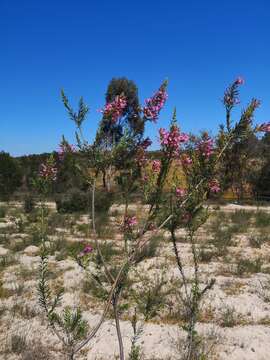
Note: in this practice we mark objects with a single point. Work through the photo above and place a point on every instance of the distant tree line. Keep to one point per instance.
(246, 164)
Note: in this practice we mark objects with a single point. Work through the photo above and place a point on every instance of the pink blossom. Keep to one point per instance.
(115, 109)
(130, 222)
(48, 171)
(265, 127)
(146, 143)
(65, 148)
(87, 250)
(186, 160)
(141, 157)
(239, 81)
(171, 140)
(145, 178)
(156, 165)
(230, 96)
(205, 146)
(154, 104)
(180, 192)
(214, 186)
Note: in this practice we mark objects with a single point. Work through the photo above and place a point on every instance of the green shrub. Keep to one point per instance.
(18, 343)
(150, 249)
(103, 201)
(246, 266)
(222, 239)
(241, 220)
(74, 200)
(2, 212)
(228, 317)
(262, 219)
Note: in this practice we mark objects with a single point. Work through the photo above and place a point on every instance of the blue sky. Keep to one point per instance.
(200, 46)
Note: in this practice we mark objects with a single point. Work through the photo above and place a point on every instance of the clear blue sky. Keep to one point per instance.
(80, 45)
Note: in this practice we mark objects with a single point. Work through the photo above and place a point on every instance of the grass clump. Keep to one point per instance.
(228, 317)
(247, 266)
(262, 219)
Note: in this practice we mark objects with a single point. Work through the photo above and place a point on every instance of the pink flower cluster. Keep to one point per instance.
(146, 143)
(141, 157)
(214, 186)
(48, 171)
(180, 192)
(154, 104)
(114, 109)
(130, 222)
(205, 146)
(265, 127)
(156, 165)
(65, 148)
(87, 250)
(230, 99)
(186, 160)
(171, 140)
(239, 81)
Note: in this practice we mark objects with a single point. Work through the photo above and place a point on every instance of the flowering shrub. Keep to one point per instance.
(180, 206)
(114, 109)
(154, 104)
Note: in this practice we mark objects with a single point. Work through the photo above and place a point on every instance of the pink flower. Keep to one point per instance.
(265, 127)
(145, 178)
(214, 186)
(205, 146)
(141, 157)
(171, 140)
(239, 81)
(48, 170)
(156, 165)
(146, 143)
(231, 94)
(180, 192)
(65, 148)
(115, 109)
(186, 160)
(154, 104)
(130, 222)
(87, 250)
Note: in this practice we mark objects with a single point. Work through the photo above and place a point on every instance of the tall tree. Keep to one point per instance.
(131, 121)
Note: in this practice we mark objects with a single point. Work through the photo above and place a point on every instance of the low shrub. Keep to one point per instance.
(74, 200)
(247, 266)
(262, 219)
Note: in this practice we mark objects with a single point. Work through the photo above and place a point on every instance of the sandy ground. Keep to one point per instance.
(247, 339)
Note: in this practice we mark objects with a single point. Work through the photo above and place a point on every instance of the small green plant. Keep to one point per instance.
(34, 351)
(67, 325)
(257, 240)
(247, 266)
(262, 219)
(241, 219)
(228, 317)
(151, 298)
(223, 237)
(18, 343)
(135, 351)
(205, 254)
